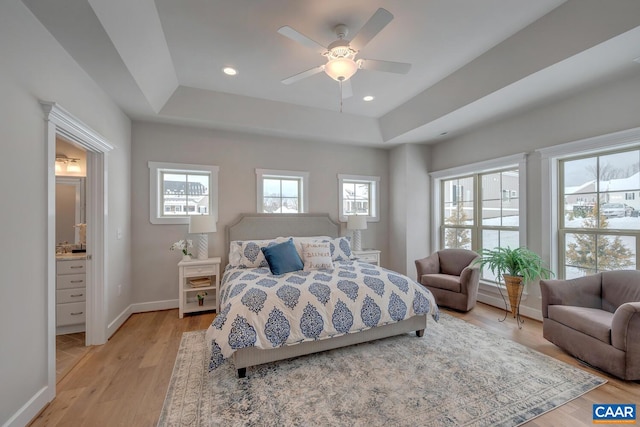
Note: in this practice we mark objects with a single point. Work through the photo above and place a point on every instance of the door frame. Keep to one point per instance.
(58, 121)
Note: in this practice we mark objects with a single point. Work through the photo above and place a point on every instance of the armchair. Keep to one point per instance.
(596, 319)
(451, 277)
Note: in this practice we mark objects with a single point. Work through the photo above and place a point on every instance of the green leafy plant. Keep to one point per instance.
(201, 295)
(520, 262)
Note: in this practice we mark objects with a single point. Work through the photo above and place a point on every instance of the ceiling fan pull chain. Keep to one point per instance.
(340, 82)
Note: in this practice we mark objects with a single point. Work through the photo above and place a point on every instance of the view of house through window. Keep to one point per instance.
(481, 211)
(356, 199)
(281, 195)
(185, 193)
(600, 219)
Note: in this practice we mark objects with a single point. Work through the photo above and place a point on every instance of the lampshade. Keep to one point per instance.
(341, 69)
(202, 224)
(357, 222)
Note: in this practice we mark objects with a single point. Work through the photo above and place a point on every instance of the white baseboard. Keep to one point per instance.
(118, 321)
(139, 308)
(154, 306)
(496, 301)
(29, 410)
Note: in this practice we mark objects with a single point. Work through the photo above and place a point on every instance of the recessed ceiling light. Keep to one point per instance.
(229, 71)
(368, 98)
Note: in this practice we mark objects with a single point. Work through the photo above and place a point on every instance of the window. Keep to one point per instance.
(179, 190)
(282, 191)
(599, 226)
(479, 207)
(358, 195)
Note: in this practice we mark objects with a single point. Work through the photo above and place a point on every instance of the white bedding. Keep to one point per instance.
(265, 311)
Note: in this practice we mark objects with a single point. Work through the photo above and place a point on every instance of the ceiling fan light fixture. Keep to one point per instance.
(341, 69)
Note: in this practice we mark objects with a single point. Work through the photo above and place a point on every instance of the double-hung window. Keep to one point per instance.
(479, 206)
(599, 221)
(358, 195)
(180, 190)
(282, 191)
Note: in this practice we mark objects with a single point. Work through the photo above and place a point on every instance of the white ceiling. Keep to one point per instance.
(472, 61)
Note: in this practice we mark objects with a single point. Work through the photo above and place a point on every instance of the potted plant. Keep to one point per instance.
(517, 267)
(201, 298)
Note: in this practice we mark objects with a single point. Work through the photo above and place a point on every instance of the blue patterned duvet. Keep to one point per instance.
(258, 309)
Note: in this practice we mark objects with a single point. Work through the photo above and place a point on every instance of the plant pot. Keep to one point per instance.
(186, 257)
(514, 291)
(200, 301)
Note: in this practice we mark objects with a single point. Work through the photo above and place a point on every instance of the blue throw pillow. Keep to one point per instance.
(283, 258)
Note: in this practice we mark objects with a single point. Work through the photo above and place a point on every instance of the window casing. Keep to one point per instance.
(282, 191)
(358, 195)
(480, 206)
(178, 190)
(598, 212)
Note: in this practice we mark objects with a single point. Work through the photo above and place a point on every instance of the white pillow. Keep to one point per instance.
(340, 249)
(316, 256)
(298, 241)
(248, 253)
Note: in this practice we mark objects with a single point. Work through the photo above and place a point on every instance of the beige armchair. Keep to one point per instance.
(596, 319)
(451, 277)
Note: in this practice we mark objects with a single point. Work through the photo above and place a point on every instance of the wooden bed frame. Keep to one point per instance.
(268, 226)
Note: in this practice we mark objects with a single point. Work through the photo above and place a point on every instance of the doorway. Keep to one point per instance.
(59, 123)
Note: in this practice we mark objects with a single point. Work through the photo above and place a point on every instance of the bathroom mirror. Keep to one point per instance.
(70, 209)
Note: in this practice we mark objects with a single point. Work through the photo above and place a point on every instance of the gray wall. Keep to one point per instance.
(35, 67)
(410, 215)
(610, 107)
(238, 155)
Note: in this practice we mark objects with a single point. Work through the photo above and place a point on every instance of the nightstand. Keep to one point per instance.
(196, 276)
(372, 256)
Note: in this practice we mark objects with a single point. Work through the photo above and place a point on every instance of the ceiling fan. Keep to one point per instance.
(341, 63)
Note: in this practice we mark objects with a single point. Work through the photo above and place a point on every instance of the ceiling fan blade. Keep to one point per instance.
(301, 38)
(347, 90)
(303, 75)
(386, 66)
(374, 25)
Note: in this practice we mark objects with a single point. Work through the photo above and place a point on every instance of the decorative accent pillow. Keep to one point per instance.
(283, 258)
(298, 241)
(248, 254)
(316, 256)
(340, 249)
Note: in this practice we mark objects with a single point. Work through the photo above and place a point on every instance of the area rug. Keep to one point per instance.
(456, 375)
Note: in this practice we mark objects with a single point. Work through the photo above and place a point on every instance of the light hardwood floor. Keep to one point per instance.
(123, 383)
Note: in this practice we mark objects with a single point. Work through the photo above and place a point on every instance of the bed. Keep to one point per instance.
(333, 301)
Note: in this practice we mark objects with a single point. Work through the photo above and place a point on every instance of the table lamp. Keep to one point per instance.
(202, 225)
(357, 223)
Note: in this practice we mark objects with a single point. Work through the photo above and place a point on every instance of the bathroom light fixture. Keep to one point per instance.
(202, 225)
(71, 164)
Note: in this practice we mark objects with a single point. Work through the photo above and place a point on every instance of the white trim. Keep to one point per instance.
(550, 158)
(374, 181)
(144, 307)
(517, 160)
(29, 410)
(303, 176)
(154, 201)
(58, 121)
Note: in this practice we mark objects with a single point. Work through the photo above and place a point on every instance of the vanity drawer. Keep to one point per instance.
(199, 270)
(71, 295)
(71, 281)
(70, 314)
(71, 266)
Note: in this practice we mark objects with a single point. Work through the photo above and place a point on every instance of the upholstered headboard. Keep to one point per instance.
(255, 226)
